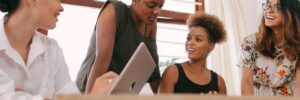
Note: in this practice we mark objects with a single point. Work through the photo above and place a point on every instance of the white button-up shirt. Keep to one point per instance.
(43, 76)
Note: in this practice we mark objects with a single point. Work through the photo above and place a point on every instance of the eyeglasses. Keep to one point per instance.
(275, 7)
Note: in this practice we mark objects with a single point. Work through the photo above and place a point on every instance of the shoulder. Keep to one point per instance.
(220, 79)
(50, 45)
(119, 6)
(249, 43)
(114, 12)
(53, 53)
(47, 40)
(114, 6)
(170, 74)
(171, 69)
(118, 3)
(250, 39)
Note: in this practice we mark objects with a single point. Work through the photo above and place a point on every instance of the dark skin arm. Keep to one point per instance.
(221, 85)
(168, 80)
(247, 81)
(105, 38)
(154, 86)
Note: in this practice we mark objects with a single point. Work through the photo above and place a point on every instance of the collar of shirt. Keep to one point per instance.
(36, 47)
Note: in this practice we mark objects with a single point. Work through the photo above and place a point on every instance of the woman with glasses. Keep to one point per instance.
(270, 58)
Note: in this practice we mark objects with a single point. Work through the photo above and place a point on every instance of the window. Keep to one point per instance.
(170, 37)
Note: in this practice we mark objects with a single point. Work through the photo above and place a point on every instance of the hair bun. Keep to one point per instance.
(3, 5)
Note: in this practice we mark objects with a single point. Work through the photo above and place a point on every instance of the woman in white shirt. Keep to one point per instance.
(32, 65)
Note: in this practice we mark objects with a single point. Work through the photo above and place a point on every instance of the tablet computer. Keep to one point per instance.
(136, 72)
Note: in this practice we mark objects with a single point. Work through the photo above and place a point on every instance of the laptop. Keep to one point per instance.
(136, 72)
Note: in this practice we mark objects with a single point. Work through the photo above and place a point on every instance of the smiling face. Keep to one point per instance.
(46, 12)
(147, 11)
(197, 44)
(272, 14)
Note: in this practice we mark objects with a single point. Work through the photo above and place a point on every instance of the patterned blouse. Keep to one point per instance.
(272, 77)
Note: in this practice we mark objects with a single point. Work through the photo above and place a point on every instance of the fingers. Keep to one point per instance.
(103, 83)
(110, 75)
(110, 80)
(215, 92)
(210, 93)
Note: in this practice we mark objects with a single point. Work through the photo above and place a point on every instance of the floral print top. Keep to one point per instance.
(272, 77)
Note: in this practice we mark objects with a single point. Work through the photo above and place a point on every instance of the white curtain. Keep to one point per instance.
(241, 17)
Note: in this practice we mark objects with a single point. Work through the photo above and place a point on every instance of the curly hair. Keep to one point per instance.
(212, 24)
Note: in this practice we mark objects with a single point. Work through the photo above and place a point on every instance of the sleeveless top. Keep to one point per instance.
(126, 42)
(185, 85)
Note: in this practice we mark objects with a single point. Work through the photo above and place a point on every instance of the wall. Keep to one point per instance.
(252, 13)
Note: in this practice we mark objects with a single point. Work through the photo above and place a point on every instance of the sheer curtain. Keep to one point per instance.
(241, 17)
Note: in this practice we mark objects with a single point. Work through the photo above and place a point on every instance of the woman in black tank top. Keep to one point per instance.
(193, 76)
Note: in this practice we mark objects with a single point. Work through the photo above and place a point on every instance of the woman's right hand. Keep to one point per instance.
(103, 83)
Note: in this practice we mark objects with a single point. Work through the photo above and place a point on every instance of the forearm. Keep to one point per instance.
(166, 88)
(297, 91)
(247, 81)
(247, 88)
(154, 86)
(297, 84)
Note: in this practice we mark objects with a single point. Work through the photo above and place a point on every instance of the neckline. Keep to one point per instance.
(211, 78)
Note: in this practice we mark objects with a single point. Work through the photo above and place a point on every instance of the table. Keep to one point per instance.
(169, 97)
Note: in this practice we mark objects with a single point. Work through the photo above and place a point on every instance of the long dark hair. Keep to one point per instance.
(9, 6)
(290, 29)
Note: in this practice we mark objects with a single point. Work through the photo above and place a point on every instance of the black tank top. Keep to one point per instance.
(184, 85)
